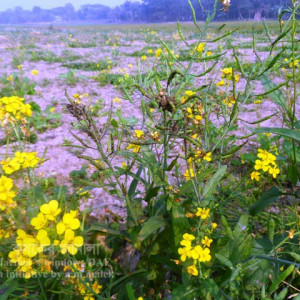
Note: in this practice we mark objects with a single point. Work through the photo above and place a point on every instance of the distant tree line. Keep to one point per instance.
(147, 11)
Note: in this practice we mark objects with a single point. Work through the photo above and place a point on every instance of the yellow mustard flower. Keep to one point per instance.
(158, 52)
(202, 213)
(291, 233)
(220, 83)
(192, 270)
(274, 171)
(117, 100)
(255, 175)
(42, 237)
(139, 134)
(206, 241)
(189, 173)
(39, 221)
(229, 101)
(207, 156)
(135, 148)
(70, 243)
(34, 72)
(6, 193)
(69, 221)
(50, 210)
(200, 47)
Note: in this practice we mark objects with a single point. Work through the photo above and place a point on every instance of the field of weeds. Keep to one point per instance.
(156, 161)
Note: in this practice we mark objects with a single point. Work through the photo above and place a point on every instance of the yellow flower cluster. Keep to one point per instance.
(195, 253)
(229, 101)
(227, 77)
(30, 246)
(199, 48)
(4, 234)
(158, 52)
(203, 213)
(82, 289)
(140, 135)
(34, 72)
(195, 112)
(189, 173)
(20, 160)
(13, 109)
(187, 95)
(6, 193)
(96, 287)
(199, 252)
(201, 155)
(265, 163)
(78, 97)
(292, 64)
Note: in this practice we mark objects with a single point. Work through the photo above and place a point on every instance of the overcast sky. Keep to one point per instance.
(29, 4)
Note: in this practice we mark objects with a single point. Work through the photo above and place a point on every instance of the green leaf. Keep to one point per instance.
(106, 229)
(224, 260)
(226, 227)
(271, 229)
(134, 182)
(152, 192)
(282, 294)
(281, 36)
(183, 292)
(7, 288)
(276, 87)
(150, 226)
(295, 255)
(276, 94)
(241, 226)
(272, 63)
(293, 174)
(130, 292)
(114, 123)
(266, 199)
(180, 223)
(293, 134)
(281, 278)
(172, 164)
(210, 186)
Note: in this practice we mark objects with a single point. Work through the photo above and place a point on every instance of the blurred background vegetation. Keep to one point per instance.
(146, 11)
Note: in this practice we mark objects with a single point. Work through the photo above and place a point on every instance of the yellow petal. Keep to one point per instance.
(72, 249)
(75, 224)
(60, 228)
(78, 241)
(45, 209)
(69, 234)
(53, 204)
